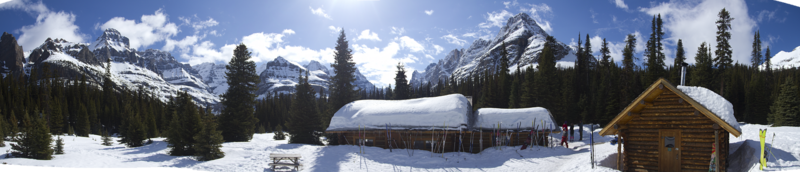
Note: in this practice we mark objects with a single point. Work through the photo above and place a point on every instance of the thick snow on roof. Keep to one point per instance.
(713, 102)
(450, 110)
(510, 118)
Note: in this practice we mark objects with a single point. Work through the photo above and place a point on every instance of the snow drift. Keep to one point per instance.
(450, 111)
(713, 102)
(488, 118)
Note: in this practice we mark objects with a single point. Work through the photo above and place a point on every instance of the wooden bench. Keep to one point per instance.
(276, 160)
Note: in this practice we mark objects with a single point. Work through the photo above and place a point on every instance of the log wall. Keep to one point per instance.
(402, 139)
(668, 111)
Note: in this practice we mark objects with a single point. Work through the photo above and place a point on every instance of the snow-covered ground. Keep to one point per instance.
(86, 154)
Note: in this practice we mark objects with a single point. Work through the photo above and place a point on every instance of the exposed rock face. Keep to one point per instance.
(11, 54)
(524, 41)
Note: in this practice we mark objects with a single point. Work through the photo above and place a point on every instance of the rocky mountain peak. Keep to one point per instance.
(111, 38)
(314, 65)
(11, 54)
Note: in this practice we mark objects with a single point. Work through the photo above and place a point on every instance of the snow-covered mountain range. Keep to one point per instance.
(524, 41)
(784, 60)
(155, 71)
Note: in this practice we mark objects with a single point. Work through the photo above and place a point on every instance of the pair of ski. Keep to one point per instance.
(762, 134)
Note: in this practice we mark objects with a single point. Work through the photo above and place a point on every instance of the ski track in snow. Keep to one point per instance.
(86, 154)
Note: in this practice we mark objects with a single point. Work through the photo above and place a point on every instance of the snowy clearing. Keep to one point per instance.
(86, 154)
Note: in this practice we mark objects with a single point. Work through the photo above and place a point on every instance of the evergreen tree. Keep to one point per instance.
(82, 125)
(724, 53)
(786, 108)
(34, 141)
(304, 121)
(237, 119)
(767, 61)
(545, 89)
(680, 58)
(514, 99)
(261, 129)
(279, 133)
(503, 80)
(59, 146)
(702, 74)
(755, 56)
(655, 58)
(342, 90)
(106, 139)
(605, 53)
(756, 99)
(401, 87)
(3, 126)
(56, 120)
(208, 141)
(175, 138)
(137, 132)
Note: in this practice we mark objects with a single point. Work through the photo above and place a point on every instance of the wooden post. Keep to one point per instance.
(619, 149)
(716, 144)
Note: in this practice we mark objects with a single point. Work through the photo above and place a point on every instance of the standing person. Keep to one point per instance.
(571, 132)
(564, 136)
(580, 130)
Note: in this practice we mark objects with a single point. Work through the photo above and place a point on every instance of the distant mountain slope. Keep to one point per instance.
(524, 41)
(785, 59)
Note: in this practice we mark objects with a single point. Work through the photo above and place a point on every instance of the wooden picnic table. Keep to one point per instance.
(277, 158)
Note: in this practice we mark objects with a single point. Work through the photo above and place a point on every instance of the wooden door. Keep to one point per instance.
(669, 150)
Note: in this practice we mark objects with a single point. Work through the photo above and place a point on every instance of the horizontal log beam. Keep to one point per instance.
(691, 162)
(643, 139)
(650, 163)
(643, 168)
(643, 155)
(698, 167)
(686, 153)
(654, 143)
(651, 110)
(643, 159)
(668, 114)
(673, 118)
(685, 122)
(647, 151)
(642, 147)
(670, 126)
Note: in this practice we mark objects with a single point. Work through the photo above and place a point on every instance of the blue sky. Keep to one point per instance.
(383, 32)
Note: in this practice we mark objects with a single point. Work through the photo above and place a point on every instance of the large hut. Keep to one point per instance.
(670, 128)
(439, 124)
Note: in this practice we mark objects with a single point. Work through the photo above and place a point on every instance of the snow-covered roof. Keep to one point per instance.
(713, 102)
(450, 111)
(526, 118)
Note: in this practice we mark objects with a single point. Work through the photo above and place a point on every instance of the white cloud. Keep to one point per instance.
(411, 44)
(183, 44)
(429, 12)
(510, 4)
(471, 34)
(438, 49)
(398, 31)
(366, 34)
(320, 12)
(454, 40)
(198, 25)
(495, 19)
(151, 29)
(593, 14)
(25, 5)
(335, 30)
(539, 13)
(375, 63)
(263, 46)
(621, 4)
(694, 23)
(50, 25)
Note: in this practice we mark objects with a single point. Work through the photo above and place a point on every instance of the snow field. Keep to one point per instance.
(86, 154)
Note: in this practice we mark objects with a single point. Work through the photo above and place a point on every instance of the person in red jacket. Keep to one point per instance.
(564, 136)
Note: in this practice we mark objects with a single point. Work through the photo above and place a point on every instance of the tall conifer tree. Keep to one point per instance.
(755, 56)
(304, 121)
(237, 119)
(342, 89)
(401, 87)
(786, 108)
(724, 53)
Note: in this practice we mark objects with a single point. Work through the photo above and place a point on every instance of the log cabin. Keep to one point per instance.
(669, 128)
(438, 124)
